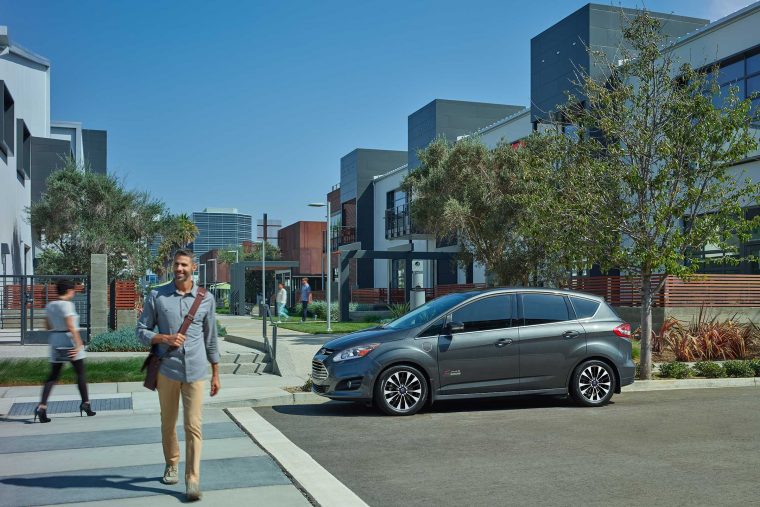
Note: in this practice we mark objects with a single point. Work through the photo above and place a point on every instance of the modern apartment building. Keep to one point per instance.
(219, 228)
(731, 42)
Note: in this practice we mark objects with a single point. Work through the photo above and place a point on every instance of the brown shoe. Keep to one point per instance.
(171, 475)
(193, 492)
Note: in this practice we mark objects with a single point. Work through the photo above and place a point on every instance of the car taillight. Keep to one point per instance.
(623, 331)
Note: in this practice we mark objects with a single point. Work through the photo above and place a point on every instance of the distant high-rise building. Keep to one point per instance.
(220, 228)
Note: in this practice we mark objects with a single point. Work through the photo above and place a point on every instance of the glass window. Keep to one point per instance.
(753, 64)
(731, 72)
(753, 85)
(544, 309)
(488, 313)
(435, 329)
(584, 308)
(427, 312)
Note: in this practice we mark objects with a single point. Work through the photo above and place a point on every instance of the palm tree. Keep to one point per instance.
(177, 231)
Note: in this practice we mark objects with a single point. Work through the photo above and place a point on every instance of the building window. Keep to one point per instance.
(23, 151)
(6, 121)
(742, 72)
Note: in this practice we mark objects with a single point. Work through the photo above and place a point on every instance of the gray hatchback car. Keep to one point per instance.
(499, 342)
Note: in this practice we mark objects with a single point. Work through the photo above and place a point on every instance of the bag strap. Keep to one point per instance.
(191, 314)
(188, 318)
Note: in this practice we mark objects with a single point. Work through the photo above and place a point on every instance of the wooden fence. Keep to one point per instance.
(703, 290)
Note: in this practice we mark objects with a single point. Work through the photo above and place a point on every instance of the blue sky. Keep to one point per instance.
(251, 104)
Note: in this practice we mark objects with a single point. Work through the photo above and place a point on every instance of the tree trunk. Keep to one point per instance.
(645, 367)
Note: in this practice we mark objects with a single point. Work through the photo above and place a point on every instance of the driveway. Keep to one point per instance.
(687, 447)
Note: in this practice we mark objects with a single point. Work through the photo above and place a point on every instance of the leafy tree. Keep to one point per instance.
(495, 201)
(176, 231)
(248, 252)
(657, 165)
(82, 213)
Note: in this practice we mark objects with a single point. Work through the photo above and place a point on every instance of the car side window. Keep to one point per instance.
(584, 308)
(495, 312)
(544, 309)
(435, 329)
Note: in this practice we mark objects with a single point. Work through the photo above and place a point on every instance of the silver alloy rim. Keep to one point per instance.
(402, 390)
(594, 383)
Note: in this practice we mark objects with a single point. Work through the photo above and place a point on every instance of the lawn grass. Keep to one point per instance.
(22, 372)
(321, 327)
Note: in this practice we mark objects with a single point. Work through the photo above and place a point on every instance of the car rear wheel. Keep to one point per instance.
(401, 390)
(593, 383)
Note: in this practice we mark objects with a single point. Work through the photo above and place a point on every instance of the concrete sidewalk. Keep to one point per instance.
(118, 461)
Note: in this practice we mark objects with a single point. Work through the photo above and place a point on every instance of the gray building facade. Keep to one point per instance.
(450, 119)
(557, 53)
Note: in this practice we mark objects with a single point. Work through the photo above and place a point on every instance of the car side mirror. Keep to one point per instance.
(454, 327)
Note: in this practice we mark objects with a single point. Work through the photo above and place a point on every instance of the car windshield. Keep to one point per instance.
(427, 312)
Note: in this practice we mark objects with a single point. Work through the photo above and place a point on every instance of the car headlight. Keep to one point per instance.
(354, 352)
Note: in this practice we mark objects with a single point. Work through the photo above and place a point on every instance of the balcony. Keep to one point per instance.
(342, 236)
(399, 224)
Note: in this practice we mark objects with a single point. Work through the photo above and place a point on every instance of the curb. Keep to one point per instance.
(713, 383)
(311, 477)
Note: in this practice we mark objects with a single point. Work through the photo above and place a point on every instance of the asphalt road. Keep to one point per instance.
(686, 447)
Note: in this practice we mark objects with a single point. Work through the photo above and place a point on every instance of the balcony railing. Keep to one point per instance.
(399, 224)
(342, 236)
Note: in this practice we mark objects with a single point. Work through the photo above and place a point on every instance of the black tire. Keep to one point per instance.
(592, 383)
(401, 390)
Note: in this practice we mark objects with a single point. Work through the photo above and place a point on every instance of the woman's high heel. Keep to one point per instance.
(85, 407)
(42, 414)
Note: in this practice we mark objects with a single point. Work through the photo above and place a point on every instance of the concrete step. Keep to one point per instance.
(245, 369)
(244, 358)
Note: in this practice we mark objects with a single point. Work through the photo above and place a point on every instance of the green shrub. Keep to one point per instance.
(739, 369)
(755, 363)
(123, 340)
(220, 329)
(398, 309)
(319, 309)
(222, 310)
(709, 369)
(675, 369)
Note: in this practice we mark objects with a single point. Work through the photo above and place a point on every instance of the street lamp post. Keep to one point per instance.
(328, 254)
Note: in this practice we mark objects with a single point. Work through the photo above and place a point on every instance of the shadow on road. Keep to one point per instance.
(350, 409)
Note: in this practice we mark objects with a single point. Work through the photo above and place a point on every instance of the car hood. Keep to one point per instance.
(373, 335)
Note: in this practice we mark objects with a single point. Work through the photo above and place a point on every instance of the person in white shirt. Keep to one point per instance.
(282, 301)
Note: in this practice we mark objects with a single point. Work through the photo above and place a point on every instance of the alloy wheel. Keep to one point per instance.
(594, 383)
(402, 390)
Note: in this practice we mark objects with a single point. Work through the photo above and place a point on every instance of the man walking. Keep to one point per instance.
(281, 300)
(305, 297)
(183, 365)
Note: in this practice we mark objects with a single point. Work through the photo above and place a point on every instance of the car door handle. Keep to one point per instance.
(570, 334)
(503, 341)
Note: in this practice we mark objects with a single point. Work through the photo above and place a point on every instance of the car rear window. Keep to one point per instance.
(544, 309)
(584, 308)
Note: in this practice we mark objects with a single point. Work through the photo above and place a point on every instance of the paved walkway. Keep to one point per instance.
(115, 458)
(118, 461)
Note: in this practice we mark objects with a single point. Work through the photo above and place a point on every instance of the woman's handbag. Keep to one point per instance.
(152, 363)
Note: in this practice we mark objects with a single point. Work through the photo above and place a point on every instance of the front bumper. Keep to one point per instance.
(351, 380)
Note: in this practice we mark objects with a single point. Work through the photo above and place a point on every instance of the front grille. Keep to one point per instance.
(319, 389)
(318, 370)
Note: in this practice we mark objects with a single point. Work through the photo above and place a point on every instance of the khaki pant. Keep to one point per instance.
(192, 400)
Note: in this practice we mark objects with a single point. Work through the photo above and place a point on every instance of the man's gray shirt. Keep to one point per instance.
(166, 308)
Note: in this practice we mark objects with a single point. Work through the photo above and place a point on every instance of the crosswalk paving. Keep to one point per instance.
(117, 460)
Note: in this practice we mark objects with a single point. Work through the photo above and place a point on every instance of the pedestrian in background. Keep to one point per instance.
(305, 297)
(282, 302)
(66, 346)
(184, 364)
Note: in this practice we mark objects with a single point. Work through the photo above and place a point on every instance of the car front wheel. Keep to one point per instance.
(401, 390)
(593, 383)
